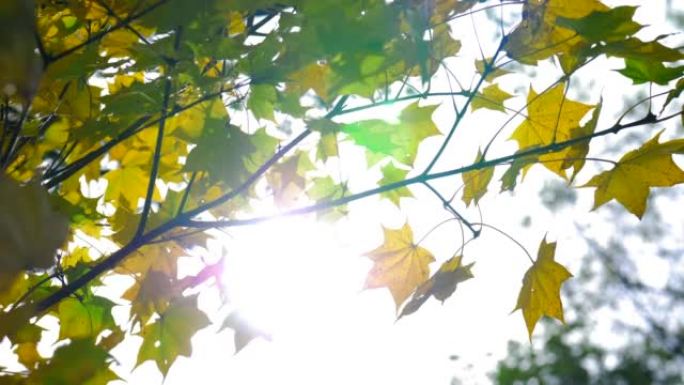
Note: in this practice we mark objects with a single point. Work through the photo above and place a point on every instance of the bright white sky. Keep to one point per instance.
(301, 279)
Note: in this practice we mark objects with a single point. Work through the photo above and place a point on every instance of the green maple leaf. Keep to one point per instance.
(80, 362)
(609, 25)
(169, 336)
(85, 318)
(400, 140)
(261, 101)
(642, 71)
(392, 174)
(222, 153)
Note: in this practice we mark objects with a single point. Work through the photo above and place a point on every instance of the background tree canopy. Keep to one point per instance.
(145, 126)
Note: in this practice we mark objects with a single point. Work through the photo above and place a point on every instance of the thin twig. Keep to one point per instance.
(147, 205)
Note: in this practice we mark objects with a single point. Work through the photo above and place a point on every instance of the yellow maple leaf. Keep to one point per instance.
(492, 97)
(400, 264)
(476, 181)
(540, 293)
(551, 118)
(630, 180)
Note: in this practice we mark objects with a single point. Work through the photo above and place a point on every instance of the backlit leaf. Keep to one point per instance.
(261, 101)
(441, 285)
(400, 140)
(551, 118)
(84, 318)
(608, 25)
(222, 154)
(399, 264)
(476, 181)
(244, 332)
(392, 174)
(80, 362)
(538, 36)
(642, 71)
(540, 293)
(169, 336)
(630, 180)
(491, 97)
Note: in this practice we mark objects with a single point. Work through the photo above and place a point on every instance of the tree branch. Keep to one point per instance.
(160, 139)
(185, 220)
(422, 178)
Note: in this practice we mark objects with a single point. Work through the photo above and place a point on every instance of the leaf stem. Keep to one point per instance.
(509, 237)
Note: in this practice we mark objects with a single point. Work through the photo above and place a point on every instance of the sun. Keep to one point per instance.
(283, 274)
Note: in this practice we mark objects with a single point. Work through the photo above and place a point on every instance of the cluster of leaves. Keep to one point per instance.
(144, 99)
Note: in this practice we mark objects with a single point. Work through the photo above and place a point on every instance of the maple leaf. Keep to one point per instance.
(399, 264)
(326, 189)
(538, 36)
(288, 179)
(575, 155)
(169, 336)
(399, 141)
(481, 65)
(510, 177)
(630, 180)
(80, 362)
(314, 76)
(441, 285)
(26, 340)
(244, 332)
(391, 174)
(261, 101)
(610, 25)
(540, 293)
(84, 318)
(222, 153)
(152, 293)
(328, 145)
(642, 71)
(476, 182)
(551, 118)
(492, 97)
